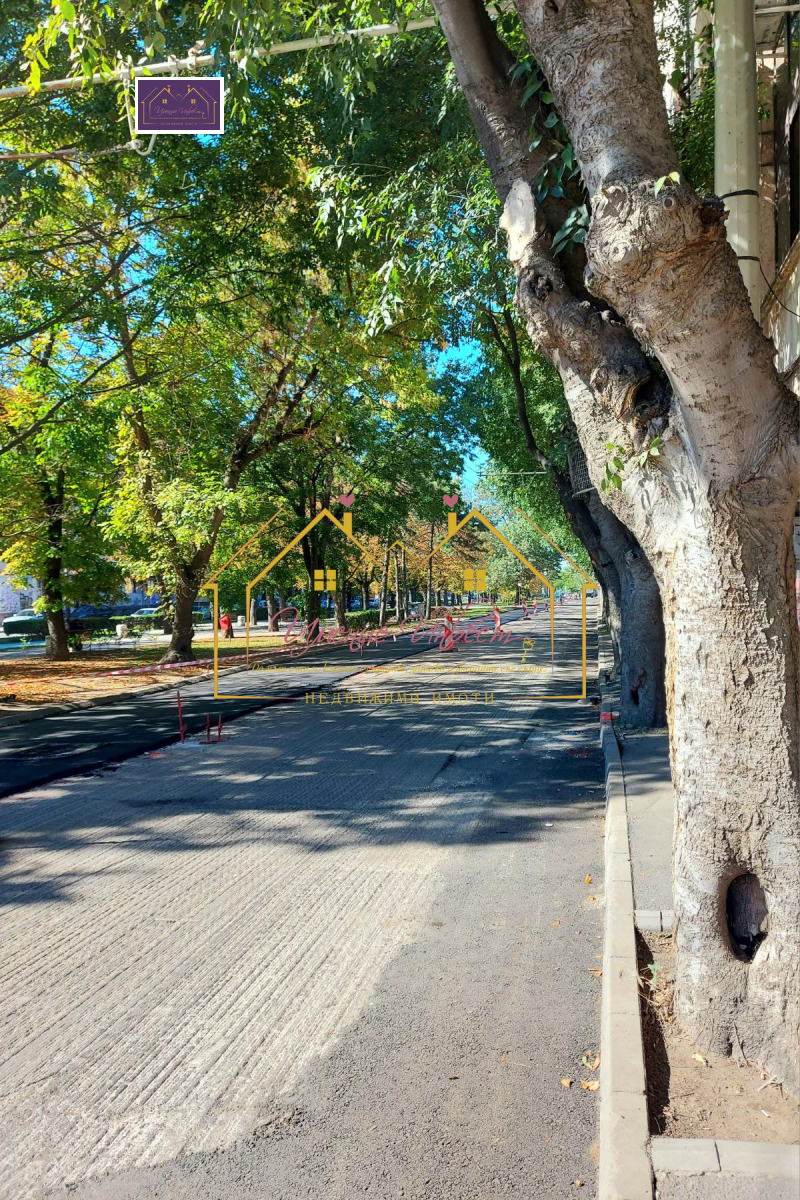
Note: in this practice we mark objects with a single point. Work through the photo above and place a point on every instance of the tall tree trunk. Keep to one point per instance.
(398, 602)
(384, 585)
(406, 597)
(253, 614)
(429, 573)
(364, 593)
(272, 617)
(281, 606)
(180, 643)
(713, 513)
(340, 606)
(643, 702)
(52, 493)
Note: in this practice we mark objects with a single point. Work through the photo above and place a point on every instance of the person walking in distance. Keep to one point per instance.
(226, 625)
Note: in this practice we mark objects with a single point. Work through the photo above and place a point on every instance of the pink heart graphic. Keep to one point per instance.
(346, 500)
(450, 501)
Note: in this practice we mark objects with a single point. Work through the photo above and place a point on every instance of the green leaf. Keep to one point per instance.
(547, 97)
(67, 10)
(551, 120)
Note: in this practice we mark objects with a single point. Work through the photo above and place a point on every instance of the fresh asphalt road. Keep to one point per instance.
(86, 739)
(349, 950)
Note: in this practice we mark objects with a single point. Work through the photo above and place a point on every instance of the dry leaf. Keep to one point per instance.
(699, 1058)
(451, 1077)
(590, 1085)
(592, 1061)
(588, 879)
(555, 922)
(578, 1183)
(566, 1082)
(595, 971)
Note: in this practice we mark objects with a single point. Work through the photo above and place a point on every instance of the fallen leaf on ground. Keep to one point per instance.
(590, 1085)
(451, 1077)
(592, 1061)
(566, 1082)
(588, 879)
(555, 922)
(701, 1059)
(578, 1183)
(593, 897)
(596, 971)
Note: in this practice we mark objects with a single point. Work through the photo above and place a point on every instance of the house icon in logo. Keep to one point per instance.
(324, 579)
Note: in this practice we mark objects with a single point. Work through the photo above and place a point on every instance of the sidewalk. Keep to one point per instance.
(651, 805)
(683, 1168)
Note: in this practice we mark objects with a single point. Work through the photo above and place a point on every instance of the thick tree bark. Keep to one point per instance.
(253, 614)
(272, 618)
(180, 643)
(643, 702)
(733, 666)
(636, 626)
(713, 513)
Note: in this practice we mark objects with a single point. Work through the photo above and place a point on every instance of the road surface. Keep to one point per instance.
(348, 950)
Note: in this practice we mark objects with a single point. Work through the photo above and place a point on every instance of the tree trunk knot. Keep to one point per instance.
(637, 233)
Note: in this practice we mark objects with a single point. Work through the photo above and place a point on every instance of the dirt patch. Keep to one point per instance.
(705, 1096)
(32, 681)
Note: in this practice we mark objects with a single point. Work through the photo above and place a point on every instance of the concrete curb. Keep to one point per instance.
(625, 1170)
(710, 1156)
(654, 920)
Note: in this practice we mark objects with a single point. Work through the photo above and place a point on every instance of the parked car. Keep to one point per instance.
(25, 623)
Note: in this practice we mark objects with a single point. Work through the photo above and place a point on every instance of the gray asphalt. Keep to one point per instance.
(89, 739)
(347, 952)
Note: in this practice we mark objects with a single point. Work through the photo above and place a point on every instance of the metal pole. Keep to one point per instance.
(194, 61)
(736, 175)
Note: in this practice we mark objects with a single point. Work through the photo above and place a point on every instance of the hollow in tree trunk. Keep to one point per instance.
(734, 665)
